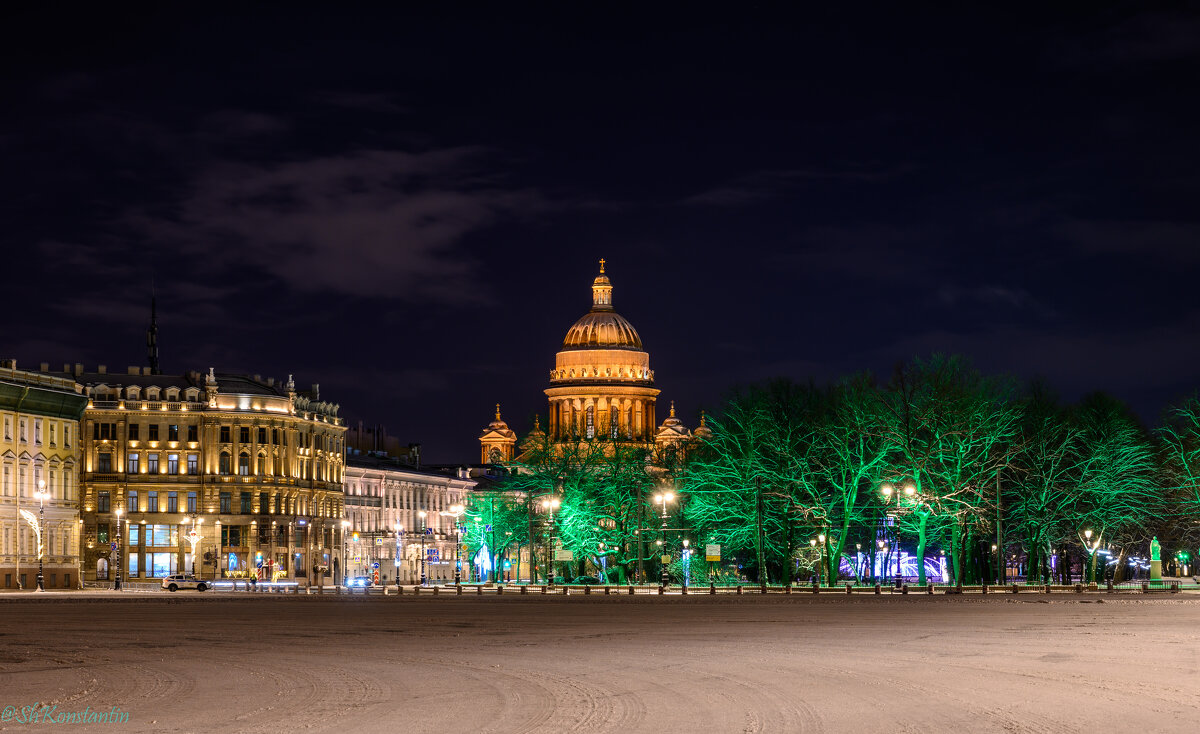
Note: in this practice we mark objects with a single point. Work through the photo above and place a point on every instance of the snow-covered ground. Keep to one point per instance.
(228, 663)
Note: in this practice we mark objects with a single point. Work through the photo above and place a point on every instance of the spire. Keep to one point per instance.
(702, 419)
(497, 411)
(152, 334)
(672, 408)
(601, 291)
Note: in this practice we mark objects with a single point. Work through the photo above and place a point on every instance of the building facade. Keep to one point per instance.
(221, 474)
(397, 515)
(39, 455)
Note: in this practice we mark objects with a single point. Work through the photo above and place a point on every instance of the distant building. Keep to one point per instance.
(601, 387)
(39, 452)
(254, 464)
(384, 499)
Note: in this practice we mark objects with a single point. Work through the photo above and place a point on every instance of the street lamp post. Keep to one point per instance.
(217, 556)
(399, 551)
(41, 498)
(456, 511)
(421, 515)
(687, 562)
(193, 537)
(1091, 551)
(120, 559)
(549, 505)
(663, 499)
(345, 557)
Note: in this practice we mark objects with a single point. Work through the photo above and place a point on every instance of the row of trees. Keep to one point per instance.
(940, 459)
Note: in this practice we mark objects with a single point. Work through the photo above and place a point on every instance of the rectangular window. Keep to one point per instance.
(612, 422)
(246, 503)
(262, 435)
(132, 466)
(193, 461)
(7, 481)
(152, 502)
(193, 434)
(173, 433)
(225, 464)
(67, 436)
(264, 502)
(133, 570)
(131, 503)
(23, 438)
(134, 532)
(225, 502)
(191, 507)
(134, 431)
(224, 434)
(102, 533)
(152, 463)
(244, 434)
(159, 536)
(53, 433)
(172, 502)
(160, 564)
(244, 465)
(7, 428)
(37, 431)
(152, 433)
(275, 436)
(262, 466)
(277, 504)
(172, 463)
(102, 502)
(104, 463)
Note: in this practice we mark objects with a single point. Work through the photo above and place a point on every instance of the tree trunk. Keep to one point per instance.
(922, 540)
(758, 513)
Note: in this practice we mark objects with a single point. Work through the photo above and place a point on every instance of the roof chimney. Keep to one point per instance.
(78, 369)
(45, 367)
(134, 370)
(316, 391)
(102, 370)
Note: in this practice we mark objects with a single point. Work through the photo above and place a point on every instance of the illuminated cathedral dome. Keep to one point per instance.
(602, 327)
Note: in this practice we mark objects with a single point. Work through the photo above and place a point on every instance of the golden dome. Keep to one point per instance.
(602, 327)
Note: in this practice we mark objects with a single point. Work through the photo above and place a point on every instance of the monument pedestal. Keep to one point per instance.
(1156, 570)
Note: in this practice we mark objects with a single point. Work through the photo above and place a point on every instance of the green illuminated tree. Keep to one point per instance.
(497, 519)
(951, 430)
(1119, 478)
(602, 487)
(1180, 438)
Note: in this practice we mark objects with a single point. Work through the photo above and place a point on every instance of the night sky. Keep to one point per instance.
(408, 208)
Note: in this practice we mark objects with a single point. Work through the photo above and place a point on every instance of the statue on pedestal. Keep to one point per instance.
(1155, 560)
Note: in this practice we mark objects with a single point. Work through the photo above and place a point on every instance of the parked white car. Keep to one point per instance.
(184, 581)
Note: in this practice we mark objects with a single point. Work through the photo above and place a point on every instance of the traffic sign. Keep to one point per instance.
(666, 558)
(564, 555)
(487, 528)
(712, 552)
(375, 564)
(112, 545)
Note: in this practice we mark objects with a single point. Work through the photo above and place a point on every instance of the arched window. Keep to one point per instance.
(225, 463)
(591, 421)
(244, 464)
(262, 464)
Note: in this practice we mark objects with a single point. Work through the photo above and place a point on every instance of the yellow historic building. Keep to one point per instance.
(39, 487)
(601, 387)
(254, 466)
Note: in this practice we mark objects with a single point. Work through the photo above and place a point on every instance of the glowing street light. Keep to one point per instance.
(663, 499)
(399, 550)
